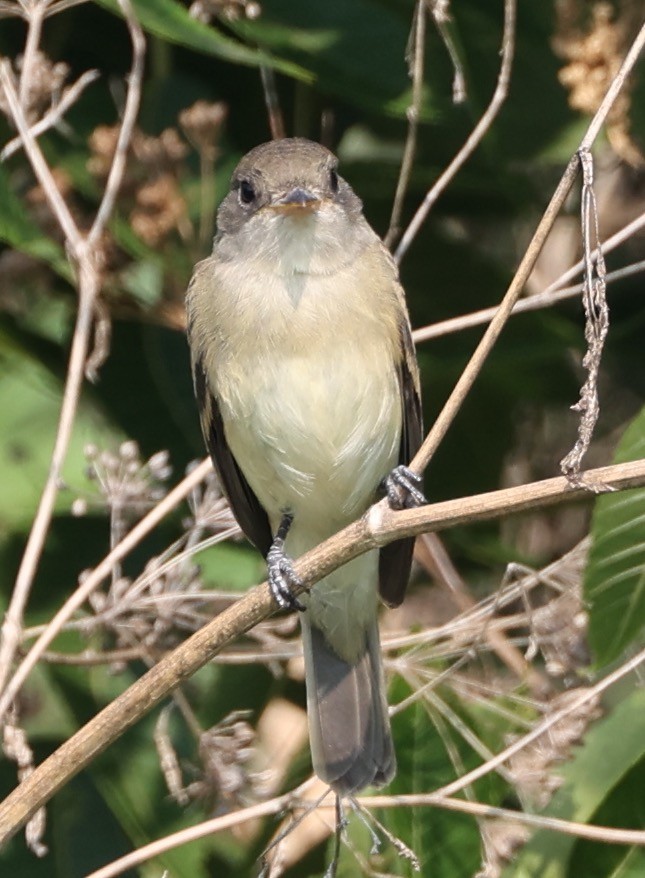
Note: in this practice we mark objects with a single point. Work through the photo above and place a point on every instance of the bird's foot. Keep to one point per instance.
(402, 488)
(282, 576)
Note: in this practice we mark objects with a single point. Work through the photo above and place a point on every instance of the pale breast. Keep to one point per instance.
(315, 435)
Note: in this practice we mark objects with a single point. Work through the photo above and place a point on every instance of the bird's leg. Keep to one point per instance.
(280, 568)
(402, 488)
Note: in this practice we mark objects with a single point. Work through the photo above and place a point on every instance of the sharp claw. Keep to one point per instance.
(282, 577)
(401, 488)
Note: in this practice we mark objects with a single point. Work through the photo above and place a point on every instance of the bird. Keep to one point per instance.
(308, 389)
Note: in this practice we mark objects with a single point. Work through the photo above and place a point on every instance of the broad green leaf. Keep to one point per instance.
(171, 21)
(613, 750)
(231, 566)
(355, 49)
(614, 584)
(18, 231)
(30, 399)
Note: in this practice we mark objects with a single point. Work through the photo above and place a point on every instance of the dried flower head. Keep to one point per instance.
(150, 184)
(155, 610)
(160, 208)
(209, 507)
(594, 55)
(534, 767)
(202, 124)
(45, 82)
(125, 482)
(150, 154)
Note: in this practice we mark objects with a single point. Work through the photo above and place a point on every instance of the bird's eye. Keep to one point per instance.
(246, 192)
(333, 181)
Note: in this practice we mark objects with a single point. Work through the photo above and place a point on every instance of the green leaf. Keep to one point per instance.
(231, 566)
(30, 399)
(171, 21)
(356, 50)
(614, 583)
(18, 231)
(600, 769)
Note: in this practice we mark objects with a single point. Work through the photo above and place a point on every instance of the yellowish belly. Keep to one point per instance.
(314, 436)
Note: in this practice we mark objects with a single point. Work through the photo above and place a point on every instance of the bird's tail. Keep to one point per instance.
(349, 727)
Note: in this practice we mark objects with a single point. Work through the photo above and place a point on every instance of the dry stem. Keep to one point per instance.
(475, 137)
(378, 527)
(476, 362)
(83, 253)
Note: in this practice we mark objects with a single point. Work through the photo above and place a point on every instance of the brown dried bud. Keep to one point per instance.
(202, 124)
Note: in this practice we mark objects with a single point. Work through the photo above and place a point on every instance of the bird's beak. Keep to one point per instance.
(297, 201)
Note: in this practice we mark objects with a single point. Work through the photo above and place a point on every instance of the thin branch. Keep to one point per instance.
(610, 244)
(475, 137)
(606, 834)
(83, 251)
(35, 17)
(439, 11)
(40, 167)
(474, 366)
(55, 114)
(531, 303)
(272, 102)
(13, 618)
(193, 833)
(78, 598)
(132, 102)
(378, 527)
(418, 45)
(590, 694)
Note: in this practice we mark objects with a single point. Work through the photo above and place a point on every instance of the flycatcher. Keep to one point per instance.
(308, 389)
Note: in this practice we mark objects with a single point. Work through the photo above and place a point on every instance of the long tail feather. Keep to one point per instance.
(349, 727)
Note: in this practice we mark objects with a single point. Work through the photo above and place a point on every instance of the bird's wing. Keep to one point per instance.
(246, 507)
(395, 559)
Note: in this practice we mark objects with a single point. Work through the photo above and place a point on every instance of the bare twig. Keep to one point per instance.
(439, 11)
(132, 539)
(218, 824)
(84, 253)
(55, 114)
(417, 51)
(610, 244)
(35, 13)
(606, 834)
(531, 303)
(276, 121)
(132, 102)
(589, 695)
(378, 527)
(470, 373)
(475, 137)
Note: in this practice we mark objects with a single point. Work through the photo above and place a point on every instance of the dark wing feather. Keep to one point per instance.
(246, 507)
(395, 559)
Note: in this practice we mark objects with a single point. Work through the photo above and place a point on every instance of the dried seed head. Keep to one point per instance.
(44, 83)
(202, 124)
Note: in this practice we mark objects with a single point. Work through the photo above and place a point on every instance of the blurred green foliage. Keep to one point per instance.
(345, 59)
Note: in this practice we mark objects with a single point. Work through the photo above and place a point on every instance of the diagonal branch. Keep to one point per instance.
(485, 346)
(475, 137)
(378, 527)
